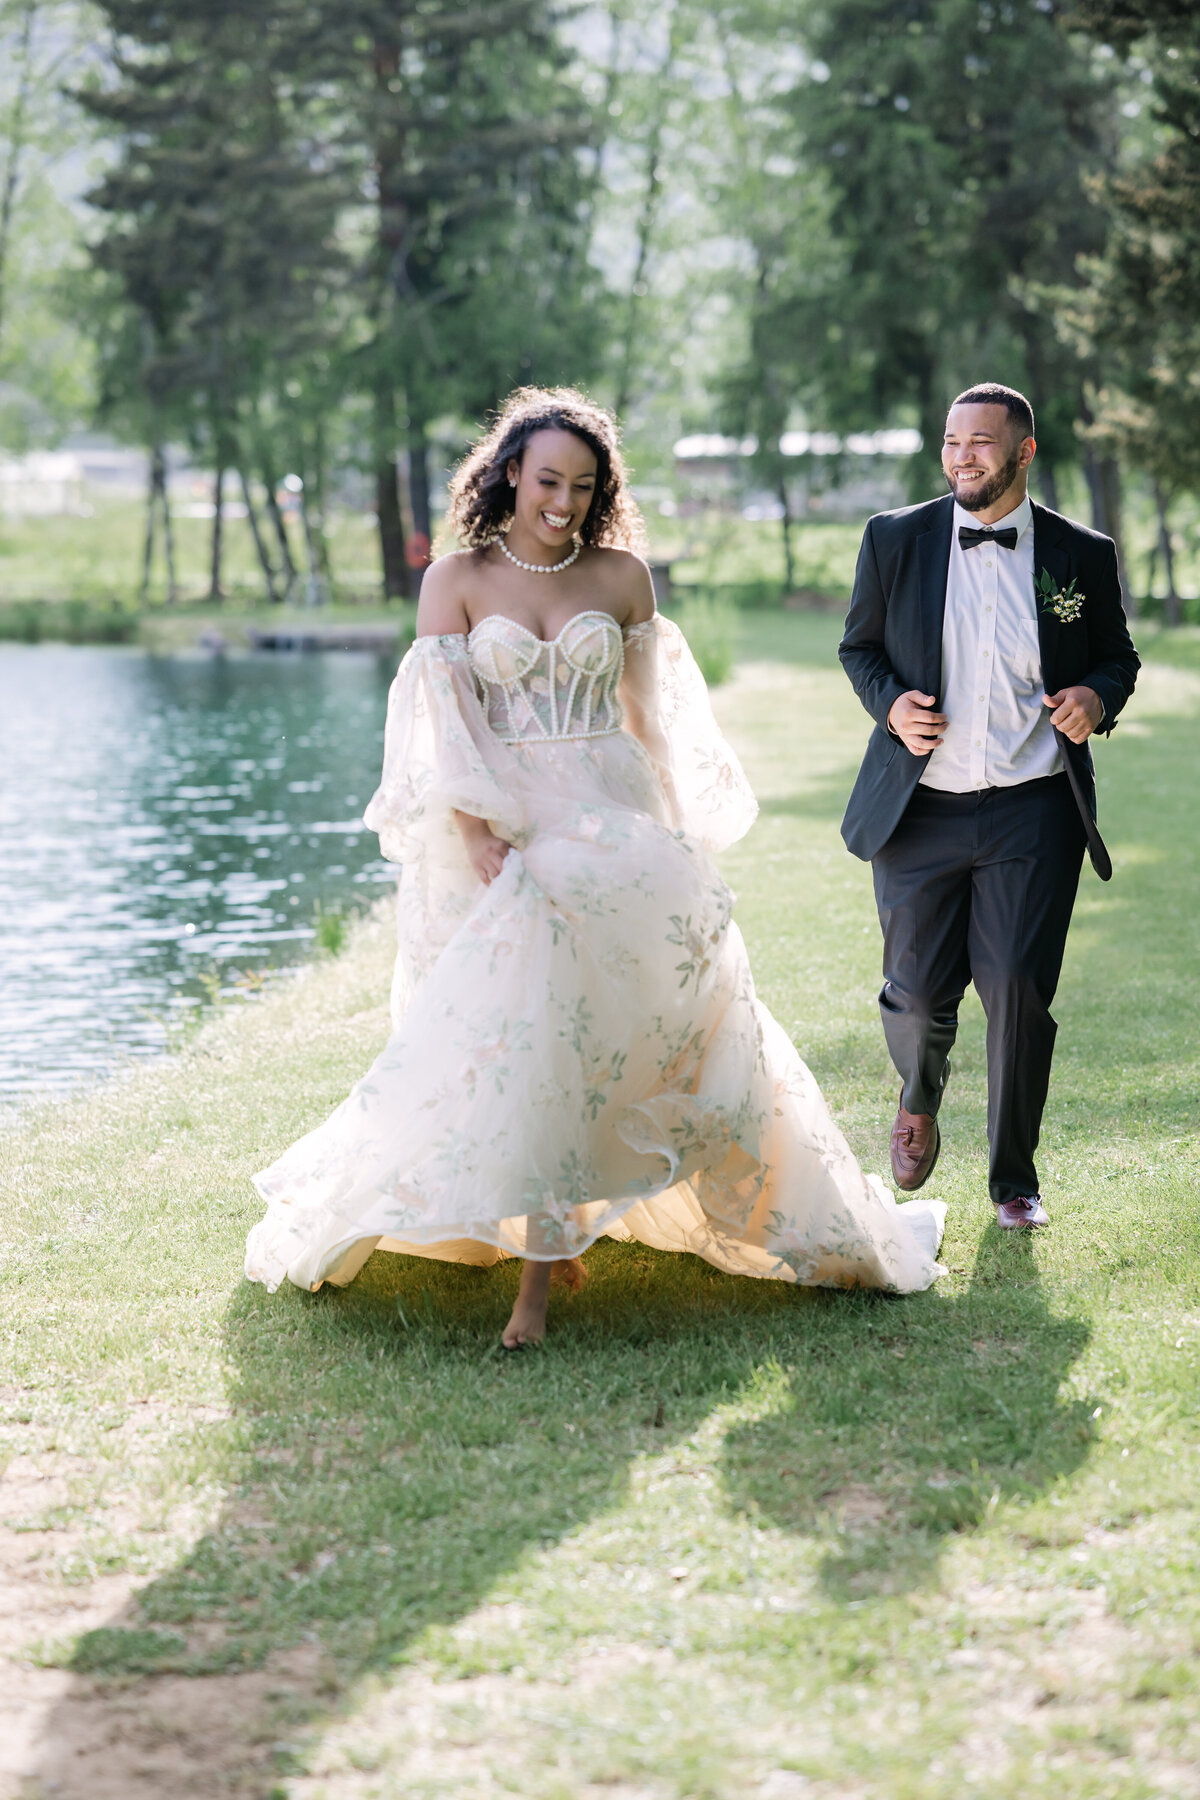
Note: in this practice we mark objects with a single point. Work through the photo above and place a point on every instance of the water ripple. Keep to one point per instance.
(165, 820)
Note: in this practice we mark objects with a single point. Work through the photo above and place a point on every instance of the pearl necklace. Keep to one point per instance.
(538, 568)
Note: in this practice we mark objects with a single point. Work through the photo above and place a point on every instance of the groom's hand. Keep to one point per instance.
(1077, 712)
(918, 729)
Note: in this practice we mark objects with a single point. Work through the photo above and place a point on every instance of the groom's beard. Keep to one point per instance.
(981, 498)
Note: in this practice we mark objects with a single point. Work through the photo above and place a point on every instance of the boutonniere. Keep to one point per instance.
(1065, 603)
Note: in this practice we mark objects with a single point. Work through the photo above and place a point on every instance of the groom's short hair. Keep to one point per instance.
(994, 393)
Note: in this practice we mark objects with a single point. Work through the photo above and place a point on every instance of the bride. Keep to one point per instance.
(577, 1050)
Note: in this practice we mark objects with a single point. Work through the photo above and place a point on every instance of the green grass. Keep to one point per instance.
(98, 557)
(720, 1538)
(87, 567)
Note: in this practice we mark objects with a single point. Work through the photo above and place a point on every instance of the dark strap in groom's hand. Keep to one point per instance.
(968, 537)
(1097, 850)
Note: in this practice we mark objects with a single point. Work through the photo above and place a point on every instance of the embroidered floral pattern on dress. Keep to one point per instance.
(577, 1049)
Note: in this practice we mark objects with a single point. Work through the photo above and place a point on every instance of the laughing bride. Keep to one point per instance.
(577, 1050)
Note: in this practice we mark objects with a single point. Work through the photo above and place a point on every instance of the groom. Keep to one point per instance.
(986, 639)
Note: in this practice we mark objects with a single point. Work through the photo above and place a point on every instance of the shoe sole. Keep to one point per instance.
(912, 1187)
(1024, 1225)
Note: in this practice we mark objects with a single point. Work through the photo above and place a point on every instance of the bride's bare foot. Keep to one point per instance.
(528, 1322)
(570, 1273)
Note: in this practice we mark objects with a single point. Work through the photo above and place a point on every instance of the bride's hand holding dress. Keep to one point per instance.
(577, 1048)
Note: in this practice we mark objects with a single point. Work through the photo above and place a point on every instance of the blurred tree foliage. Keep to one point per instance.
(1139, 318)
(45, 360)
(219, 248)
(326, 238)
(464, 126)
(953, 140)
(313, 202)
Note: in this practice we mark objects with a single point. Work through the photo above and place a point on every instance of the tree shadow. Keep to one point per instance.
(387, 1464)
(908, 1421)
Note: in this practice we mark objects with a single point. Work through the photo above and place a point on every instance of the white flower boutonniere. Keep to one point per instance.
(1065, 603)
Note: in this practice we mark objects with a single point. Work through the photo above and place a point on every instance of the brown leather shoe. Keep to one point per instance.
(916, 1141)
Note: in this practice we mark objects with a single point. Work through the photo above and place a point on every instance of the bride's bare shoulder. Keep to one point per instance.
(625, 581)
(442, 606)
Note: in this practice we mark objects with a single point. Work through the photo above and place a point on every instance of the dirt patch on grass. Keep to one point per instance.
(83, 1736)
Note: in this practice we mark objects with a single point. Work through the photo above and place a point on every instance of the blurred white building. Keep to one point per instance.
(830, 478)
(41, 484)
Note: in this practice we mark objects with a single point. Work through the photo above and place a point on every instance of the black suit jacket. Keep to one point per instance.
(893, 643)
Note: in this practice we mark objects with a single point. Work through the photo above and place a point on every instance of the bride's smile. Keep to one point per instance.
(577, 1048)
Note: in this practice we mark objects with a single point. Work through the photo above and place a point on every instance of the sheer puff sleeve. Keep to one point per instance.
(439, 757)
(668, 710)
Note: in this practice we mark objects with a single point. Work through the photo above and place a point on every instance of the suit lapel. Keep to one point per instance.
(933, 568)
(1052, 552)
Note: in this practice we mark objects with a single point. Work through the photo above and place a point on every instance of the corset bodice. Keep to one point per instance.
(534, 689)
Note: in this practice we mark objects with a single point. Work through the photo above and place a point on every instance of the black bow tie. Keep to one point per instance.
(968, 537)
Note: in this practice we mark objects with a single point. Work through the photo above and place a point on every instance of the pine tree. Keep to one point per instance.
(952, 142)
(466, 126)
(1140, 317)
(221, 218)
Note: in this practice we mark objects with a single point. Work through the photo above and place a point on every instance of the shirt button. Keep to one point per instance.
(979, 743)
(988, 563)
(983, 653)
(987, 609)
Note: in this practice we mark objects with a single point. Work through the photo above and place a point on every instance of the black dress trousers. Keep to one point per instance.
(979, 887)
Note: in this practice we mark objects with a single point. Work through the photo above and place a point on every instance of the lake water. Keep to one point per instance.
(167, 822)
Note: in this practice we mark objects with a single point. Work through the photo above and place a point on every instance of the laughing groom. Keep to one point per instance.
(986, 639)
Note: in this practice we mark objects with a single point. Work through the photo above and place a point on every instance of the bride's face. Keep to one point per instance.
(555, 482)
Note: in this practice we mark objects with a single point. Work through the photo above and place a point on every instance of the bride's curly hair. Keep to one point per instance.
(481, 500)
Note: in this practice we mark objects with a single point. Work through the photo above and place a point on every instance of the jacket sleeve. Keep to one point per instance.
(1115, 662)
(862, 650)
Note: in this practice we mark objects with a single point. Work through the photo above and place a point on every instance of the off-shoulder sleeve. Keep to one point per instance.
(667, 708)
(439, 756)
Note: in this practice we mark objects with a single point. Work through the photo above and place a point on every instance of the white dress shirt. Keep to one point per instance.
(999, 731)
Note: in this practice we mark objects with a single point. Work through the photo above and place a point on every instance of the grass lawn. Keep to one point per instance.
(99, 555)
(721, 1538)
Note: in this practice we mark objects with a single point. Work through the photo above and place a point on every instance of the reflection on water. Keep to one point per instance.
(163, 818)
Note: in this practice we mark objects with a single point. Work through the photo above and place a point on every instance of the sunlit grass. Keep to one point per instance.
(98, 556)
(721, 1538)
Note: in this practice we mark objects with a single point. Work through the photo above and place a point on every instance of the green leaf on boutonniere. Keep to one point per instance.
(1066, 603)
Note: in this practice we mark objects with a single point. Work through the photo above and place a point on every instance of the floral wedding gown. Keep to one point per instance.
(577, 1050)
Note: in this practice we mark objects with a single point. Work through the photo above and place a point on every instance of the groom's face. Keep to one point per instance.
(984, 456)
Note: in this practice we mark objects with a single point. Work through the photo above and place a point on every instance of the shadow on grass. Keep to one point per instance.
(824, 799)
(908, 1421)
(389, 1464)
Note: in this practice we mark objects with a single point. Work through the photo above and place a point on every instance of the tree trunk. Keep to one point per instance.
(168, 532)
(151, 511)
(1091, 472)
(1161, 505)
(418, 487)
(391, 529)
(16, 146)
(1103, 475)
(316, 592)
(286, 558)
(264, 560)
(1049, 486)
(314, 494)
(1110, 481)
(789, 561)
(647, 220)
(215, 594)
